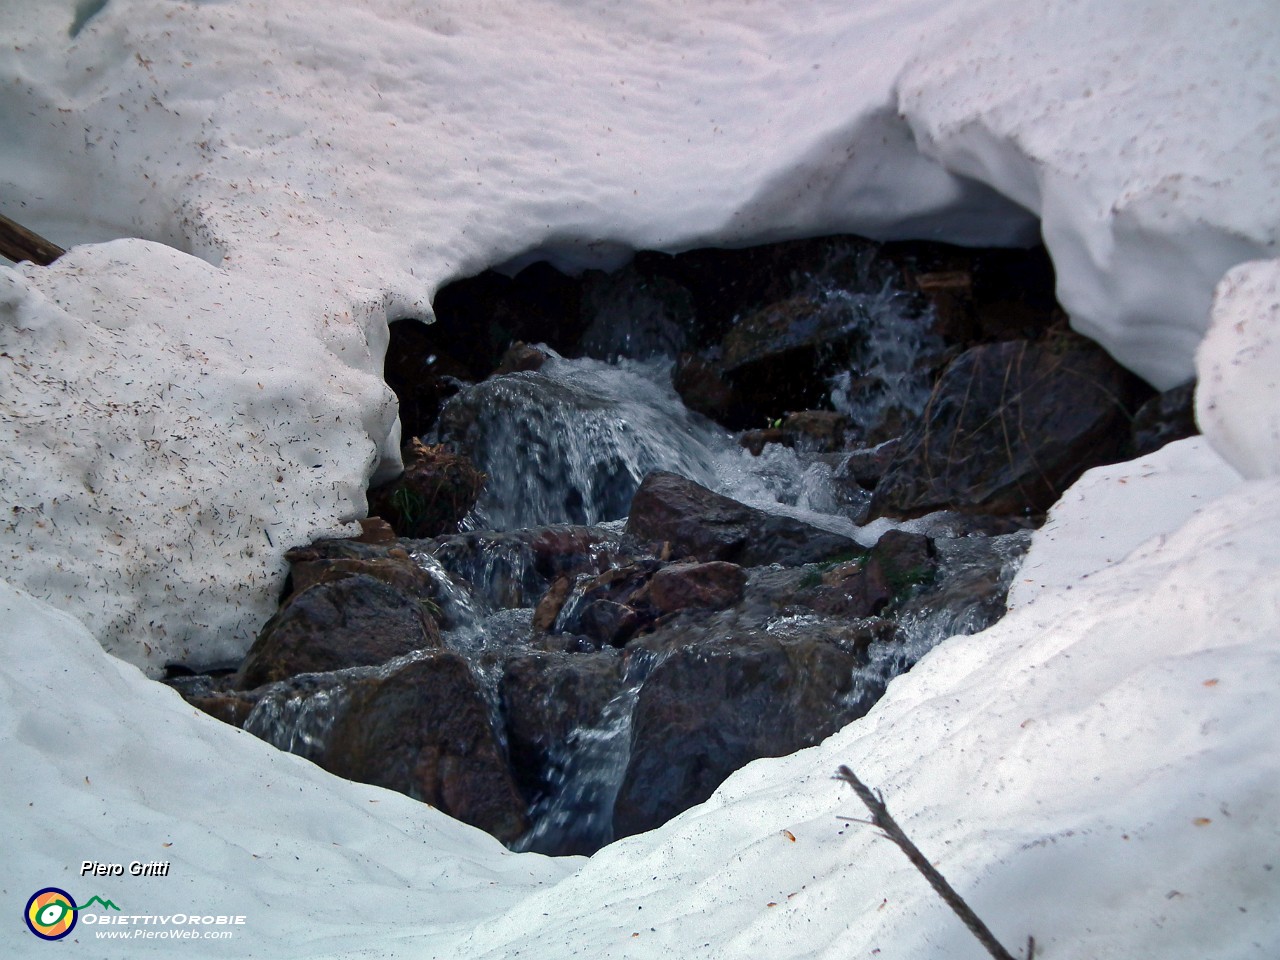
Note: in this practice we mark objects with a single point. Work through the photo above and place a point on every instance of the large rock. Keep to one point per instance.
(425, 731)
(1009, 427)
(699, 523)
(707, 586)
(714, 706)
(350, 622)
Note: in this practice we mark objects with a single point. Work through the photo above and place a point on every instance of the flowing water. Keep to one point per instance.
(570, 443)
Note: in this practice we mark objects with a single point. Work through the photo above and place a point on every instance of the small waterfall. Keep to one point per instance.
(571, 442)
(587, 774)
(889, 373)
(298, 715)
(974, 574)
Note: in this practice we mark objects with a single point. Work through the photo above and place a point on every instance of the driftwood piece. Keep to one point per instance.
(18, 243)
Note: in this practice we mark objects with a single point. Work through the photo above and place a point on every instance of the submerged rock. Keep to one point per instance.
(546, 698)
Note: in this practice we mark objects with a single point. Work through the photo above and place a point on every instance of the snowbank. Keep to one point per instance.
(339, 163)
(1099, 770)
(107, 766)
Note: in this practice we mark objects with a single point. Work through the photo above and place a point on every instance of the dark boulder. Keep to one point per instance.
(710, 708)
(425, 732)
(709, 586)
(699, 523)
(1009, 427)
(350, 622)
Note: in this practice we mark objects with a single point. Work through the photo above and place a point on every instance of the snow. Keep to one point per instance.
(278, 179)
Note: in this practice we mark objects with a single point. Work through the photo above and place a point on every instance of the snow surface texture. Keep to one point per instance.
(1098, 770)
(340, 162)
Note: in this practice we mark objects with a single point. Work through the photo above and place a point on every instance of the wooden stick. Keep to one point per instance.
(18, 243)
(881, 818)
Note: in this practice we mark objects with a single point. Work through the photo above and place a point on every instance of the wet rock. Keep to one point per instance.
(548, 609)
(712, 707)
(546, 698)
(566, 550)
(1008, 428)
(232, 708)
(353, 621)
(607, 621)
(709, 586)
(611, 606)
(865, 467)
(520, 356)
(1166, 417)
(436, 490)
(499, 567)
(701, 524)
(898, 563)
(425, 731)
(702, 386)
(396, 570)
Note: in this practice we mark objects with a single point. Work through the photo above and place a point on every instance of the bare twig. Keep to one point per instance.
(17, 243)
(881, 818)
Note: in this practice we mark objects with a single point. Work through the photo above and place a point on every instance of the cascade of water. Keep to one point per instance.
(571, 442)
(962, 561)
(587, 773)
(298, 714)
(887, 373)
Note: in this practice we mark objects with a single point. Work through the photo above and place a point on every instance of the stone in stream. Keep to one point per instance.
(698, 523)
(353, 621)
(1009, 427)
(710, 586)
(426, 732)
(714, 705)
(898, 563)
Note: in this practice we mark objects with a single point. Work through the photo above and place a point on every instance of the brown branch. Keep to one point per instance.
(17, 243)
(881, 818)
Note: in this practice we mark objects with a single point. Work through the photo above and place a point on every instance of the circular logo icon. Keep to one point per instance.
(51, 913)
